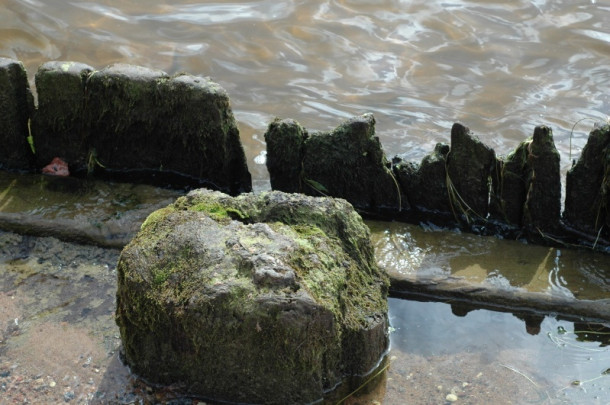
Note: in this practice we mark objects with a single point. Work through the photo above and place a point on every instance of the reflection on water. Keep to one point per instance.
(103, 213)
(500, 67)
(490, 357)
(413, 250)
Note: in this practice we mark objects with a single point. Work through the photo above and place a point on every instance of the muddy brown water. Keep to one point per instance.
(499, 67)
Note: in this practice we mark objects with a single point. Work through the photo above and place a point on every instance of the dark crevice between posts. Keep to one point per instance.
(463, 185)
(124, 123)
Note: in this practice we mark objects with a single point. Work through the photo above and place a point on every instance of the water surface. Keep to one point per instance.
(500, 67)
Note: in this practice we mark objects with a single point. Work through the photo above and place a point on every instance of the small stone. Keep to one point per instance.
(69, 396)
(57, 167)
(451, 398)
(52, 384)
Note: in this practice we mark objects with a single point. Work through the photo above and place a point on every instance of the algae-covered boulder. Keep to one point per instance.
(58, 123)
(588, 185)
(16, 106)
(347, 162)
(270, 298)
(143, 123)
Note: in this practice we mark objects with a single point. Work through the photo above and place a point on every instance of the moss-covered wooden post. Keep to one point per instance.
(588, 186)
(425, 184)
(285, 145)
(59, 129)
(347, 162)
(509, 187)
(144, 123)
(469, 167)
(542, 208)
(201, 135)
(16, 107)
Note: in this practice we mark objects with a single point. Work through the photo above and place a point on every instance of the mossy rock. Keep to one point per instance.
(271, 298)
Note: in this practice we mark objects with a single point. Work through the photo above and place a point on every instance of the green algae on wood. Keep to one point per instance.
(543, 199)
(285, 141)
(273, 290)
(509, 190)
(425, 184)
(469, 167)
